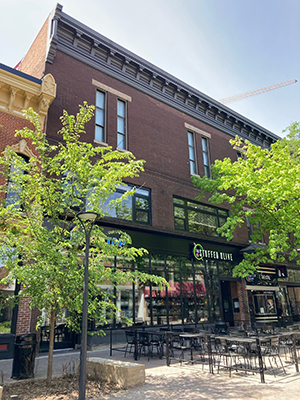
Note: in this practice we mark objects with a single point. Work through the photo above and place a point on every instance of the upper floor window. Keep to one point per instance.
(254, 230)
(16, 180)
(205, 157)
(132, 208)
(192, 157)
(100, 116)
(121, 125)
(198, 218)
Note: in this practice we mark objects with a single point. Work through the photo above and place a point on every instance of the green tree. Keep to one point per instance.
(40, 201)
(263, 186)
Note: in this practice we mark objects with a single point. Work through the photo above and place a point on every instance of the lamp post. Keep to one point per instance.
(87, 220)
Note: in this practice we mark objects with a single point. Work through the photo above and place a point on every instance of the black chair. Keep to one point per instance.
(224, 358)
(145, 345)
(130, 341)
(271, 355)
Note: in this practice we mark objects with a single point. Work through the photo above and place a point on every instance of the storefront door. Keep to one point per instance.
(227, 302)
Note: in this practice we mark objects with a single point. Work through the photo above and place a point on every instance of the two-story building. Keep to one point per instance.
(179, 131)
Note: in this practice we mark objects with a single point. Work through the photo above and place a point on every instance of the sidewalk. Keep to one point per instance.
(176, 382)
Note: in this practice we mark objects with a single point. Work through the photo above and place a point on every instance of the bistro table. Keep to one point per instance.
(254, 344)
(151, 338)
(193, 344)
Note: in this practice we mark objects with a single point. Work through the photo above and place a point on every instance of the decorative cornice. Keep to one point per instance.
(88, 46)
(18, 92)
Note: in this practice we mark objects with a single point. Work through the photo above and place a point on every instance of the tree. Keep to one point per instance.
(263, 187)
(40, 201)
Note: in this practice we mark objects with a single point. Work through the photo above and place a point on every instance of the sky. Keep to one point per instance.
(220, 47)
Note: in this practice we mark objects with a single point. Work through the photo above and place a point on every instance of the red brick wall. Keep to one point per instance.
(156, 133)
(8, 126)
(34, 61)
(24, 317)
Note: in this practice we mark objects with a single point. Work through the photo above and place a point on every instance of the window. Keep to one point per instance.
(205, 157)
(198, 218)
(253, 231)
(192, 158)
(121, 125)
(14, 186)
(100, 116)
(132, 208)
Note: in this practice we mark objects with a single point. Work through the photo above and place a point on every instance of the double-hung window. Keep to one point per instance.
(192, 152)
(205, 157)
(121, 125)
(100, 116)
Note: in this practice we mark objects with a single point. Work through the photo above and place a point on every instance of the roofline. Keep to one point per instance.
(20, 74)
(204, 108)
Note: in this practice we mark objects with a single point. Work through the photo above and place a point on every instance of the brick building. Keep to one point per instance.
(179, 131)
(19, 91)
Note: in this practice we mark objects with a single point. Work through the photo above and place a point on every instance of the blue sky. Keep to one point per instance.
(221, 47)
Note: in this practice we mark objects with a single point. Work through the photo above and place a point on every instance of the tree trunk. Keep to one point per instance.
(51, 347)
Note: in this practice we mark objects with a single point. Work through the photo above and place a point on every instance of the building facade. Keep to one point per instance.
(19, 91)
(180, 132)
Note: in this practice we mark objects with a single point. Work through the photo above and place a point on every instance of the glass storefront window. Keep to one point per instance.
(296, 276)
(193, 294)
(201, 293)
(174, 296)
(265, 303)
(212, 285)
(159, 309)
(282, 303)
(294, 295)
(142, 293)
(225, 268)
(188, 294)
(124, 296)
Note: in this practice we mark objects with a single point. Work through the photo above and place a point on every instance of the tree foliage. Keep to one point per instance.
(40, 201)
(263, 185)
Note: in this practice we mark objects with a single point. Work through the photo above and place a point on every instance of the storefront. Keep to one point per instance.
(289, 286)
(201, 287)
(268, 302)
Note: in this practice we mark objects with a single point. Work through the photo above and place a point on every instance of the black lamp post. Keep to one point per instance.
(87, 220)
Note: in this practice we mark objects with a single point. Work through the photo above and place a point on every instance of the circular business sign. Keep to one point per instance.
(198, 252)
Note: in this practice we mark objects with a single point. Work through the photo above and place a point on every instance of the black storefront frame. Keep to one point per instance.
(210, 319)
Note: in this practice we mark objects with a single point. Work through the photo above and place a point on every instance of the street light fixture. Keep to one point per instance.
(87, 220)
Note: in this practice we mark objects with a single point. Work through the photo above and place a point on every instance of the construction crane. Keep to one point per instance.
(255, 92)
